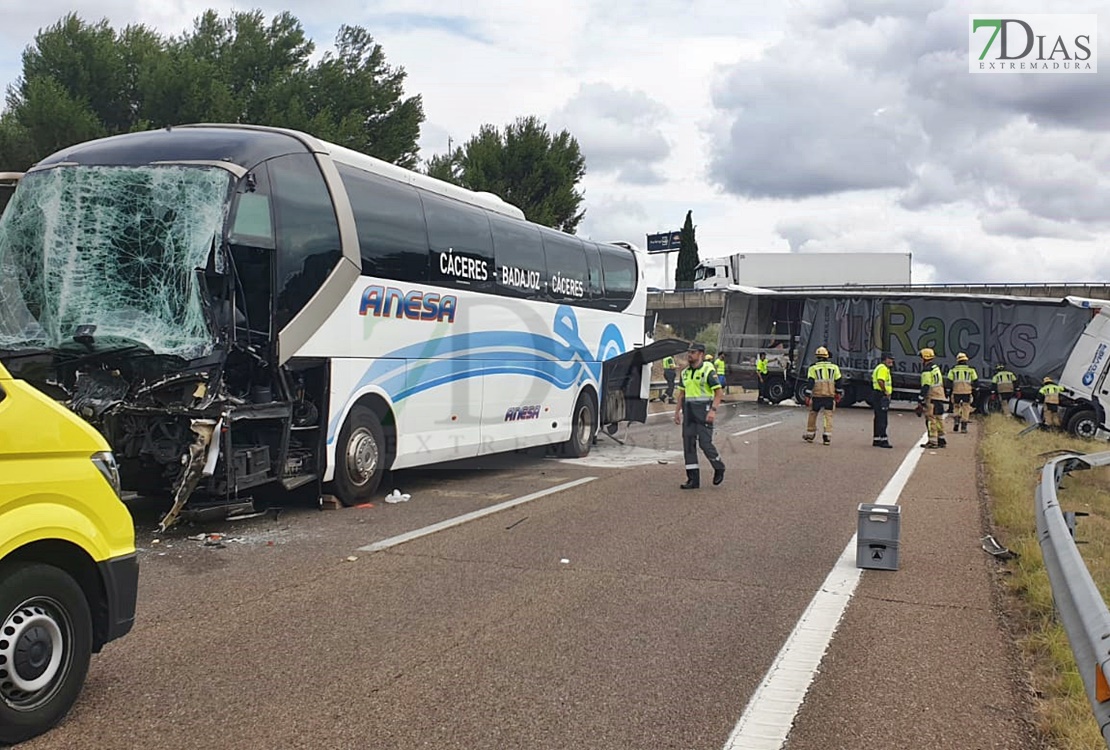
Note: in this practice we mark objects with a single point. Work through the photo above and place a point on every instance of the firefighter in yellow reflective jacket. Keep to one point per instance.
(1050, 395)
(932, 400)
(1003, 381)
(720, 365)
(699, 395)
(962, 376)
(824, 385)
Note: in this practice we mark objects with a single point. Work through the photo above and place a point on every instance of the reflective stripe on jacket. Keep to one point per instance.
(962, 376)
(1051, 393)
(699, 384)
(824, 376)
(932, 385)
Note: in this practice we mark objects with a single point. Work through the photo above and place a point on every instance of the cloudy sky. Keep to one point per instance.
(789, 125)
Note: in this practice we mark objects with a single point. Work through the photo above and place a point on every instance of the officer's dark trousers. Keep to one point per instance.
(696, 431)
(669, 376)
(880, 404)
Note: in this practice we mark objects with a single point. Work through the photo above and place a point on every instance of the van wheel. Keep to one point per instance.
(360, 457)
(45, 645)
(583, 425)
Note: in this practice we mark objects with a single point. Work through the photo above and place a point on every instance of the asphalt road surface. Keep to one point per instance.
(610, 610)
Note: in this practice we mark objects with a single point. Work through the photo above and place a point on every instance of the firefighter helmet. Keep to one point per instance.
(927, 353)
(961, 357)
(1000, 366)
(1047, 380)
(822, 351)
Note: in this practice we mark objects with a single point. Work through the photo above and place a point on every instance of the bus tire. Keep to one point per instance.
(1083, 424)
(46, 643)
(360, 457)
(583, 425)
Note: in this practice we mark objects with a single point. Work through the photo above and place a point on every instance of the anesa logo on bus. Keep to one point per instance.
(1092, 371)
(416, 305)
(519, 413)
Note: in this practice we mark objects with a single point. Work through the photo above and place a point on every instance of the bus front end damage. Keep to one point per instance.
(124, 302)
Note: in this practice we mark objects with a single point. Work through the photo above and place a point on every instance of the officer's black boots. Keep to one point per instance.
(718, 475)
(693, 480)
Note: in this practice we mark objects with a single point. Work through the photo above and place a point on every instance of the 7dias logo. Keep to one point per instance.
(1045, 43)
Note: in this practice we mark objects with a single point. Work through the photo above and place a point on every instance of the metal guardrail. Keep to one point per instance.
(1082, 610)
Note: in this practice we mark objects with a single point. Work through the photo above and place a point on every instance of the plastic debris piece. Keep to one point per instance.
(352, 558)
(397, 497)
(196, 538)
(155, 541)
(564, 561)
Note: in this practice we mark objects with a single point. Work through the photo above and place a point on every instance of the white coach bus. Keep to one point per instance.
(238, 306)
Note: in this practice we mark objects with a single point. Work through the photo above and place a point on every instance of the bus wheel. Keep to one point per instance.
(45, 644)
(583, 424)
(359, 457)
(1083, 424)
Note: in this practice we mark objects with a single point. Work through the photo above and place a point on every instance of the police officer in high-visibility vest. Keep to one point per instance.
(881, 390)
(962, 376)
(669, 374)
(1003, 381)
(761, 373)
(1050, 395)
(824, 385)
(932, 400)
(699, 396)
(720, 364)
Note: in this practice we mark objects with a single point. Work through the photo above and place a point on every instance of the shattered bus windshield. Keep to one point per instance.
(112, 247)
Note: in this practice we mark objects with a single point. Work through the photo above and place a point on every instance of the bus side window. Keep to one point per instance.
(460, 243)
(620, 269)
(596, 291)
(568, 275)
(307, 232)
(392, 236)
(518, 252)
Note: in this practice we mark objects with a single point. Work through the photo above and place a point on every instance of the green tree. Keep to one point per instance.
(526, 165)
(687, 255)
(84, 80)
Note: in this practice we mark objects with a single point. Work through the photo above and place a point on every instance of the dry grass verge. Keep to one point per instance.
(1012, 468)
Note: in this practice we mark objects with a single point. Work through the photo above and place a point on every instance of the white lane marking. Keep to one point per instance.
(753, 429)
(770, 713)
(393, 541)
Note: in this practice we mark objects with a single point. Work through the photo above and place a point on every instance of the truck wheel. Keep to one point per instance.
(583, 424)
(1083, 424)
(360, 457)
(45, 645)
(777, 390)
(849, 397)
(801, 393)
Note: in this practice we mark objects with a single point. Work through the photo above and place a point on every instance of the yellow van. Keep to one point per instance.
(68, 568)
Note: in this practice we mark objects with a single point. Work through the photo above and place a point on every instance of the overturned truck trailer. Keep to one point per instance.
(243, 309)
(1032, 336)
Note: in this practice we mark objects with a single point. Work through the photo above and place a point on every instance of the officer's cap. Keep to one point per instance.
(696, 347)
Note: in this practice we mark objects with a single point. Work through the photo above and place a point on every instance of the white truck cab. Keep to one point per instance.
(1084, 379)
